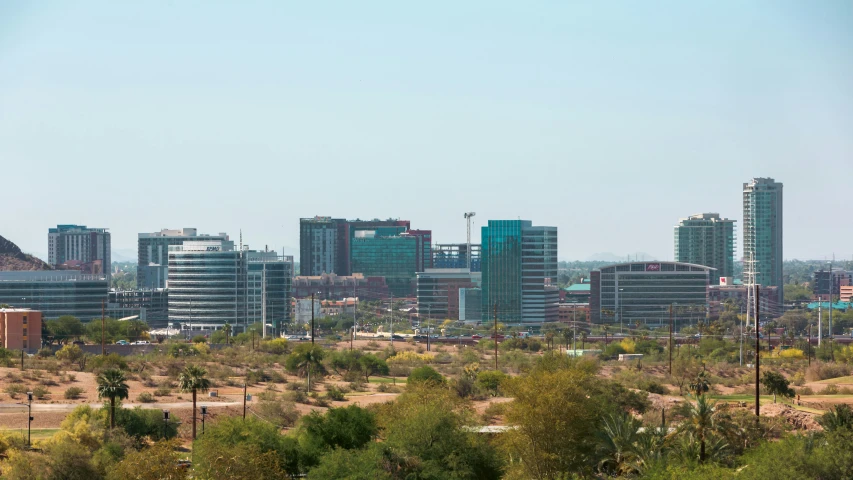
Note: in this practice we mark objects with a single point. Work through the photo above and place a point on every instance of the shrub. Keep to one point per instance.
(181, 350)
(824, 371)
(283, 413)
(105, 362)
(652, 386)
(805, 391)
(199, 339)
(278, 346)
(69, 353)
(44, 352)
(792, 354)
(387, 388)
(425, 374)
(163, 392)
(296, 396)
(333, 393)
(145, 397)
(40, 392)
(831, 389)
(409, 357)
(73, 393)
(15, 389)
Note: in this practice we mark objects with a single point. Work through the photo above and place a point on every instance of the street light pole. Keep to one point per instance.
(29, 416)
(203, 415)
(165, 423)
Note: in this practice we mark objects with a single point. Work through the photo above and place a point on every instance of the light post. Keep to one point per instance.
(203, 415)
(620, 309)
(29, 416)
(165, 423)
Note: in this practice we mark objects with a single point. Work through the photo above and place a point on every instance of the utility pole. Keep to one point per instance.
(103, 328)
(809, 351)
(354, 310)
(670, 339)
(312, 318)
(741, 338)
(819, 323)
(428, 317)
(392, 321)
(244, 402)
(575, 332)
(496, 335)
(757, 359)
(29, 417)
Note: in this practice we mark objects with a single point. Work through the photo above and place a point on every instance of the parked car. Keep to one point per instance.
(79, 342)
(476, 337)
(122, 342)
(397, 337)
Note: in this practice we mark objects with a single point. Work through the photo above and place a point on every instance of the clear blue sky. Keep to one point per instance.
(610, 120)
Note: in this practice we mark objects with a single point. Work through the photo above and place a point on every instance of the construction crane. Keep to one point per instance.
(468, 216)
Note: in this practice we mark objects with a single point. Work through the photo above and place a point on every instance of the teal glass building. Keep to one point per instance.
(762, 233)
(519, 271)
(386, 252)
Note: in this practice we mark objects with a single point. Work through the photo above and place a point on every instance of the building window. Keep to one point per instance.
(25, 320)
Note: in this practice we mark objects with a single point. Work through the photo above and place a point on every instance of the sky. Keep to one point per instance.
(610, 120)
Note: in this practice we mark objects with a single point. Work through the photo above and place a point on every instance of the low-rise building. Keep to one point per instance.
(438, 291)
(151, 305)
(330, 286)
(20, 329)
(55, 292)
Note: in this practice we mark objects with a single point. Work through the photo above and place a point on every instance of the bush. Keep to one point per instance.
(105, 362)
(140, 423)
(283, 413)
(163, 392)
(73, 393)
(425, 374)
(199, 339)
(333, 393)
(824, 371)
(44, 352)
(145, 397)
(278, 346)
(69, 353)
(652, 386)
(40, 392)
(15, 389)
(178, 350)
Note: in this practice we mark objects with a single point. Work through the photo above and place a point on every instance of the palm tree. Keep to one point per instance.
(616, 443)
(111, 384)
(702, 423)
(310, 360)
(227, 330)
(193, 379)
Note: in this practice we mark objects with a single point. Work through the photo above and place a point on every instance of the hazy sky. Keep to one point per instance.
(610, 120)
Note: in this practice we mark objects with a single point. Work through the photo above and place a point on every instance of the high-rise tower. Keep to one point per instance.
(762, 233)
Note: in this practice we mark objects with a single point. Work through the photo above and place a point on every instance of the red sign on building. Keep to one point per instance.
(652, 267)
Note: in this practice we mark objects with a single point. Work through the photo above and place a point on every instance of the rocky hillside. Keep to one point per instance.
(12, 258)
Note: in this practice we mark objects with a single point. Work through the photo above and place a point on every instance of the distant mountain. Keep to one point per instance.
(611, 257)
(12, 258)
(124, 255)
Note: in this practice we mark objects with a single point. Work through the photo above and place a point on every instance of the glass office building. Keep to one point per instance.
(153, 254)
(519, 263)
(384, 252)
(438, 291)
(455, 255)
(706, 239)
(642, 292)
(269, 289)
(207, 285)
(55, 293)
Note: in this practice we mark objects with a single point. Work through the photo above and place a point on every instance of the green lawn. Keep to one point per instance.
(847, 379)
(387, 380)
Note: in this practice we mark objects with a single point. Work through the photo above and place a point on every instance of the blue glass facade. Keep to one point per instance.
(394, 257)
(501, 262)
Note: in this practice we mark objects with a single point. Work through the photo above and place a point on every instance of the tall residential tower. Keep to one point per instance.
(706, 239)
(78, 243)
(762, 233)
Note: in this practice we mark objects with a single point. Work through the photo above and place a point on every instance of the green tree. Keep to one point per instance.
(839, 418)
(426, 437)
(348, 428)
(617, 444)
(425, 374)
(555, 414)
(112, 384)
(65, 328)
(360, 464)
(490, 381)
(702, 423)
(69, 353)
(157, 462)
(777, 384)
(306, 359)
(234, 448)
(372, 365)
(194, 379)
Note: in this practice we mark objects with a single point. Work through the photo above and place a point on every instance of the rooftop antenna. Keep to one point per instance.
(468, 216)
(241, 239)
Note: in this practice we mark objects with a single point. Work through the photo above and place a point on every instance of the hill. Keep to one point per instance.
(12, 258)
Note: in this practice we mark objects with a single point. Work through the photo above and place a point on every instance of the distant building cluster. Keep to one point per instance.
(201, 282)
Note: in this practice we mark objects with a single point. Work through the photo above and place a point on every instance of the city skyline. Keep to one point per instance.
(574, 115)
